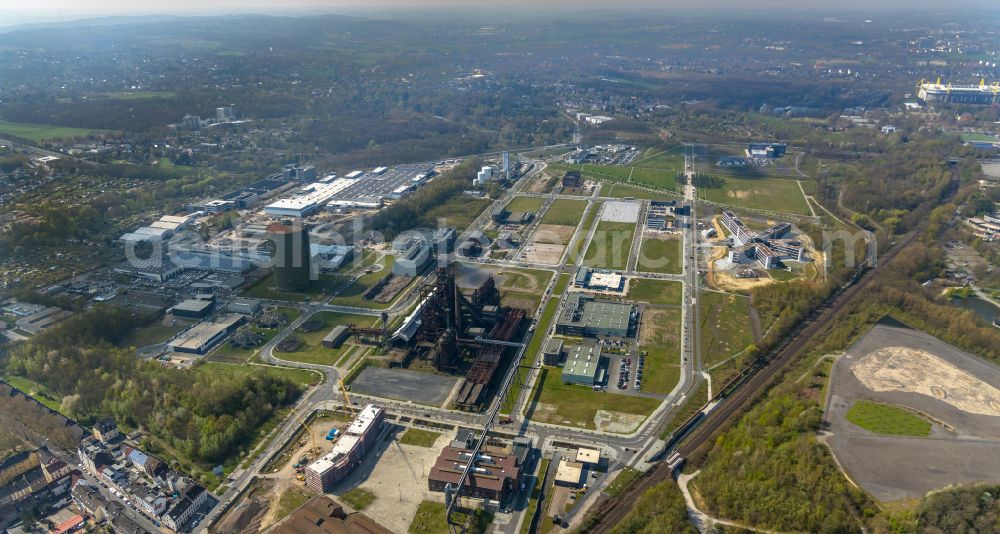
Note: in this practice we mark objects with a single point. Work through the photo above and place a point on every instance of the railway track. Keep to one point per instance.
(737, 394)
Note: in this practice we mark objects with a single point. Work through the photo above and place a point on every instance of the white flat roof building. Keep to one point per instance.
(588, 456)
(316, 195)
(363, 421)
(620, 211)
(182, 220)
(605, 281)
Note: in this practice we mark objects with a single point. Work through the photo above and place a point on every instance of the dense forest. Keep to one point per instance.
(661, 509)
(771, 472)
(205, 417)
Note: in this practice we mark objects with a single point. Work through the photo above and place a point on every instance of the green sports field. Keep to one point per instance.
(759, 193)
(886, 419)
(41, 132)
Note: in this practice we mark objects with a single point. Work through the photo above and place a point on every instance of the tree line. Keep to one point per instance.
(205, 417)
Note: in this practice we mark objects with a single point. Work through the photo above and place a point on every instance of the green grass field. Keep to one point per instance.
(39, 392)
(561, 284)
(655, 291)
(672, 159)
(301, 376)
(888, 420)
(290, 500)
(611, 245)
(152, 334)
(530, 280)
(319, 289)
(418, 437)
(575, 405)
(352, 295)
(658, 171)
(227, 353)
(526, 204)
(430, 519)
(531, 352)
(658, 255)
(357, 498)
(459, 211)
(565, 212)
(725, 325)
(662, 346)
(38, 133)
(313, 350)
(624, 191)
(759, 193)
(622, 481)
(575, 254)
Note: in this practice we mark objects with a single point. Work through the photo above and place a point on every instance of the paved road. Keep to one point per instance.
(623, 449)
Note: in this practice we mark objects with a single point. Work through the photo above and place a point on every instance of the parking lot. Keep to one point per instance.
(402, 384)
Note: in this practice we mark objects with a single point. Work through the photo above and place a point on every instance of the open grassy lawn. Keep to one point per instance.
(611, 245)
(352, 295)
(357, 498)
(531, 280)
(760, 193)
(531, 353)
(291, 499)
(671, 159)
(318, 291)
(662, 370)
(624, 191)
(561, 284)
(574, 255)
(622, 481)
(227, 353)
(459, 211)
(137, 95)
(154, 333)
(300, 376)
(575, 405)
(655, 291)
(41, 132)
(313, 350)
(782, 275)
(658, 177)
(660, 255)
(725, 326)
(526, 204)
(886, 419)
(418, 437)
(39, 392)
(565, 212)
(430, 519)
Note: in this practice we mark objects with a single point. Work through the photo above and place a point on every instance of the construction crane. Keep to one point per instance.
(347, 399)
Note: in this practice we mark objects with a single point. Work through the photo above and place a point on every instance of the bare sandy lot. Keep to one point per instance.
(547, 243)
(397, 475)
(957, 391)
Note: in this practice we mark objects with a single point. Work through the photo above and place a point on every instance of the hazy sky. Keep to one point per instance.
(19, 11)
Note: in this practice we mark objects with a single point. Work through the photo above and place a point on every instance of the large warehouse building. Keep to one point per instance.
(584, 316)
(310, 199)
(203, 336)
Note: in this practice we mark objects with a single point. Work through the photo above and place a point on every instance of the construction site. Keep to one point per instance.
(449, 333)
